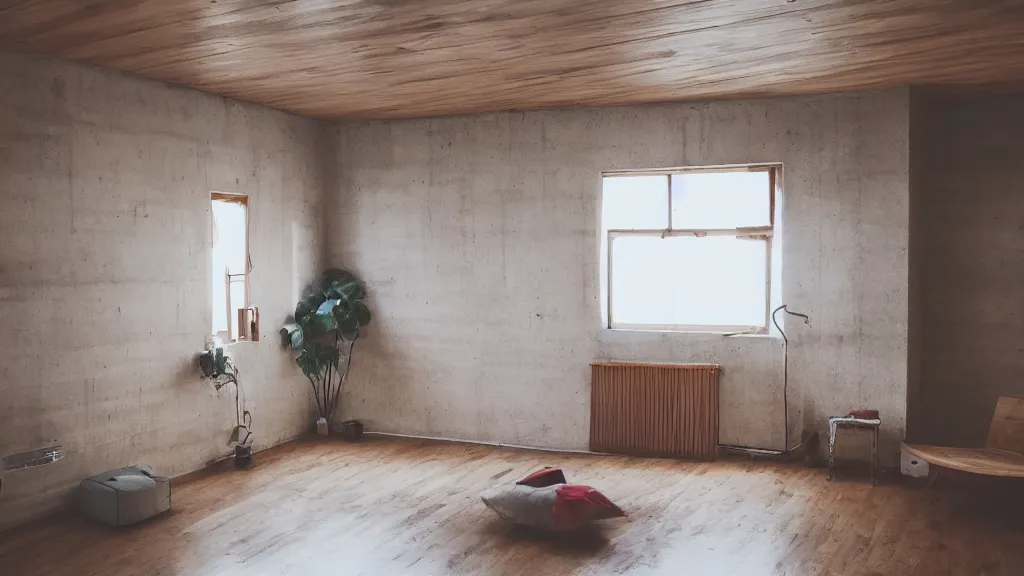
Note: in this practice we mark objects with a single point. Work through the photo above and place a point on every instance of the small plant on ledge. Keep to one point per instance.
(221, 371)
(327, 323)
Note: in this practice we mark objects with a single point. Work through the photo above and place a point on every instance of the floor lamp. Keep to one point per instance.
(785, 373)
(786, 451)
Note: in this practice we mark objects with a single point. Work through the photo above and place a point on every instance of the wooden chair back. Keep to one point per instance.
(1006, 432)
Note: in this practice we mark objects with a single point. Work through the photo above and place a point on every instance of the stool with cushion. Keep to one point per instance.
(124, 496)
(851, 420)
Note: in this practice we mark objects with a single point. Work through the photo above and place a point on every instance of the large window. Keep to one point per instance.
(689, 250)
(230, 277)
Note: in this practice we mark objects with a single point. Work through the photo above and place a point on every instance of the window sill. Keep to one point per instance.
(687, 333)
(233, 343)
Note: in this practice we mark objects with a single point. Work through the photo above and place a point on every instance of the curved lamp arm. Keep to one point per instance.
(807, 320)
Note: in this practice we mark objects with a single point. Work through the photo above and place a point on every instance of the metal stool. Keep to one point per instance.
(835, 422)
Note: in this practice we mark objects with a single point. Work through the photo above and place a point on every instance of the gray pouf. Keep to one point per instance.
(124, 496)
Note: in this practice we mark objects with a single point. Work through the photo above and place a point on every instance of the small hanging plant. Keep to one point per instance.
(327, 323)
(221, 371)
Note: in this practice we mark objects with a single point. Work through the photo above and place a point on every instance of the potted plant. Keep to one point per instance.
(221, 371)
(327, 323)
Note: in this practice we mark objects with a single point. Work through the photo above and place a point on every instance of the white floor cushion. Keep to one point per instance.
(124, 496)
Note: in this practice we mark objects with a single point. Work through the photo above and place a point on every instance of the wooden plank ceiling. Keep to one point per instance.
(342, 59)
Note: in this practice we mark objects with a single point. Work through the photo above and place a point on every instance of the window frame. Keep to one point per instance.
(755, 233)
(243, 200)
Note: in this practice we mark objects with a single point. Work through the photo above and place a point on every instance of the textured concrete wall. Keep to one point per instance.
(105, 299)
(478, 237)
(916, 279)
(971, 202)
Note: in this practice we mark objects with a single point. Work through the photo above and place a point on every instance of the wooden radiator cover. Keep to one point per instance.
(654, 409)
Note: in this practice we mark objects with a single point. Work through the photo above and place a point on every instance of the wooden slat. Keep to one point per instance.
(985, 461)
(385, 59)
(1003, 454)
(1006, 432)
(654, 409)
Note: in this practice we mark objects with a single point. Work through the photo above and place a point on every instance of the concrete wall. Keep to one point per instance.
(478, 237)
(971, 199)
(105, 298)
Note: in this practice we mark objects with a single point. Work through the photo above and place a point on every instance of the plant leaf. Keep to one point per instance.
(348, 291)
(349, 335)
(347, 320)
(325, 319)
(362, 312)
(332, 290)
(314, 299)
(324, 323)
(207, 364)
(342, 284)
(343, 312)
(304, 312)
(309, 363)
(327, 307)
(292, 335)
(328, 355)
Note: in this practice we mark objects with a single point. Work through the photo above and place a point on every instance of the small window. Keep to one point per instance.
(689, 250)
(231, 263)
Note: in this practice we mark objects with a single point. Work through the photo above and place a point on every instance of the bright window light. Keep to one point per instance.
(230, 263)
(721, 200)
(689, 250)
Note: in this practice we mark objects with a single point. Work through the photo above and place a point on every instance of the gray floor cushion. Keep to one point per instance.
(124, 496)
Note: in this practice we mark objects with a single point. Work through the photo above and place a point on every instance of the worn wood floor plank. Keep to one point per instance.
(389, 506)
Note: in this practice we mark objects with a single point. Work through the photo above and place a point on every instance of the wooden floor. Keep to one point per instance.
(389, 506)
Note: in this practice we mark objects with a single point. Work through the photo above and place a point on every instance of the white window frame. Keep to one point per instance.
(755, 233)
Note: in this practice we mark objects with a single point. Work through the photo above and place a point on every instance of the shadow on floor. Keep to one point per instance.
(586, 541)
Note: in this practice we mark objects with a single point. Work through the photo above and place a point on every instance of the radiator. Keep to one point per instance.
(654, 409)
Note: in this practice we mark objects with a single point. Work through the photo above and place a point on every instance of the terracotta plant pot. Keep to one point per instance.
(352, 430)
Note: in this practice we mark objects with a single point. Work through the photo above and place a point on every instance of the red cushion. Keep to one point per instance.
(545, 477)
(578, 505)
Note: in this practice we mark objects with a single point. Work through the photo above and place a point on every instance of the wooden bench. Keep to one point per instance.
(1003, 454)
